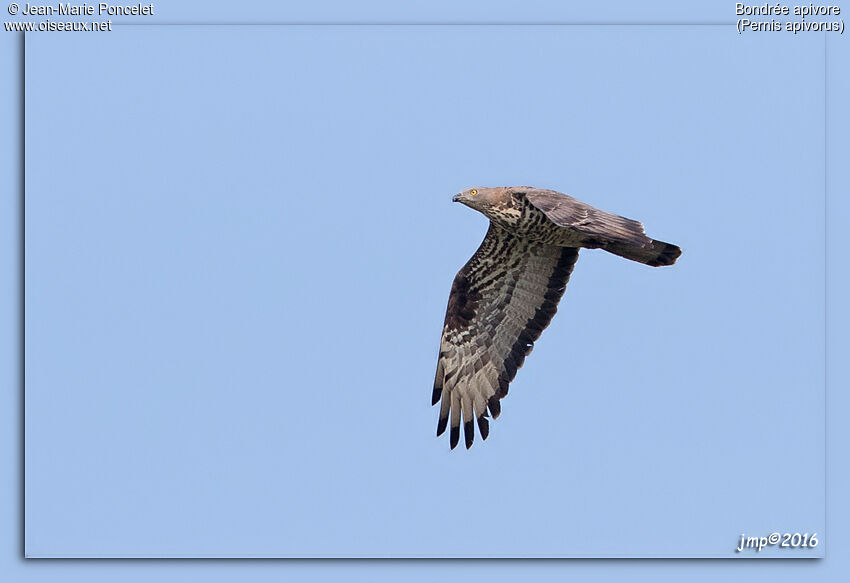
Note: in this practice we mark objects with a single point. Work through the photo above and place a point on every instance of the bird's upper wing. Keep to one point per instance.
(565, 211)
(500, 302)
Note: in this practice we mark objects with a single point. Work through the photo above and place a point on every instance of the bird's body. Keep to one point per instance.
(508, 292)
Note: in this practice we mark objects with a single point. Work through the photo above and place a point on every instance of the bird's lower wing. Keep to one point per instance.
(500, 303)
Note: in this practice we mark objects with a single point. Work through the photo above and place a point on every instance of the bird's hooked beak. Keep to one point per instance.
(456, 198)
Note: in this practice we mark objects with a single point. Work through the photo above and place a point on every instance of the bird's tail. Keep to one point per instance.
(656, 253)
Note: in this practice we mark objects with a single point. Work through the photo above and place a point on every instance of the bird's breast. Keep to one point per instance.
(527, 222)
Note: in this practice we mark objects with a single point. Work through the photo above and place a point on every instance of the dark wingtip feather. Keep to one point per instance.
(468, 433)
(441, 425)
(504, 384)
(483, 427)
(670, 254)
(454, 436)
(435, 396)
(494, 406)
(667, 254)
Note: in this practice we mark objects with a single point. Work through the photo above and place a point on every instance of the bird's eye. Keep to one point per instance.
(473, 192)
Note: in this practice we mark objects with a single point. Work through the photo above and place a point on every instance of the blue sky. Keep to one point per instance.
(235, 287)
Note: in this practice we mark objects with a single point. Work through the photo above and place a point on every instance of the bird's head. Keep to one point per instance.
(482, 198)
(492, 202)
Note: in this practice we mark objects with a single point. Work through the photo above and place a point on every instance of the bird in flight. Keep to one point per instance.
(508, 292)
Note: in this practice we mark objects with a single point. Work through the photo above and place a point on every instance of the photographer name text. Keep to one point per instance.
(99, 9)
